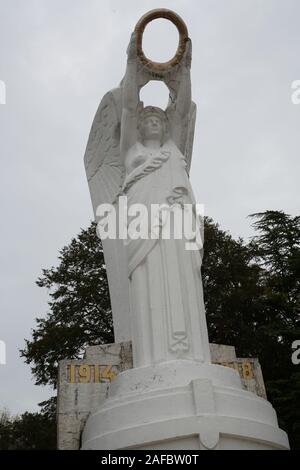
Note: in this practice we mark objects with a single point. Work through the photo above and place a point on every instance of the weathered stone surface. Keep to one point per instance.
(117, 354)
(75, 401)
(250, 373)
(222, 353)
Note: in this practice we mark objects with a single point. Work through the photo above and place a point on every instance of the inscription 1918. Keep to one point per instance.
(95, 373)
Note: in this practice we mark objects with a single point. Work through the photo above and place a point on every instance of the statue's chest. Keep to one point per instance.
(136, 160)
(140, 157)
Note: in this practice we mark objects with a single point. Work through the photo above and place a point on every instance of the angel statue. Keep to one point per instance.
(144, 153)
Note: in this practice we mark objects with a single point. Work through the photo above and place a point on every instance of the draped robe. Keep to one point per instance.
(167, 314)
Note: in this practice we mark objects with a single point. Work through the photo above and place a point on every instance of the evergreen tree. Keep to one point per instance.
(80, 312)
(30, 431)
(276, 248)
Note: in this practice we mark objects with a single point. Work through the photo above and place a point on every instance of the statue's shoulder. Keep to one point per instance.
(136, 148)
(133, 152)
(170, 146)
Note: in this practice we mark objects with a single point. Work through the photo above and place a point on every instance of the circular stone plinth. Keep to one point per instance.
(147, 410)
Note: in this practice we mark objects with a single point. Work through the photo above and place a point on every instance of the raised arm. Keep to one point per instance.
(184, 97)
(179, 84)
(130, 96)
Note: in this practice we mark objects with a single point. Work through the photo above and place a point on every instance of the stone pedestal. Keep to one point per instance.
(176, 405)
(182, 405)
(84, 384)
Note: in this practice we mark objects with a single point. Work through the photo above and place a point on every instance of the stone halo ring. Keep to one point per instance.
(183, 37)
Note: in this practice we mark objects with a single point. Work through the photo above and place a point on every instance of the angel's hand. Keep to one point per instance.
(143, 75)
(132, 48)
(174, 76)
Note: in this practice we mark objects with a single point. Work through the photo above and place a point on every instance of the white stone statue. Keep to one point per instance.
(147, 159)
(174, 397)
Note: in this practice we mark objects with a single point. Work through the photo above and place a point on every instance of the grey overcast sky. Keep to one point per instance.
(59, 57)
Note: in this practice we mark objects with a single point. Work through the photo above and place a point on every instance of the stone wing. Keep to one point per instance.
(105, 174)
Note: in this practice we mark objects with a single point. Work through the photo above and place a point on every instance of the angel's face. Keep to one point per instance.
(152, 128)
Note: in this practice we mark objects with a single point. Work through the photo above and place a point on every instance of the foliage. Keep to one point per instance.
(80, 313)
(30, 431)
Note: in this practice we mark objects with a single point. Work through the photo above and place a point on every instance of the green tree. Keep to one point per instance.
(5, 430)
(80, 312)
(276, 248)
(30, 431)
(232, 290)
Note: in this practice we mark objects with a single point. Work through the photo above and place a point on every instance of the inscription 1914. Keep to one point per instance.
(86, 373)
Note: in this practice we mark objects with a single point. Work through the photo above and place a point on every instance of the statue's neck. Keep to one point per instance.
(152, 143)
